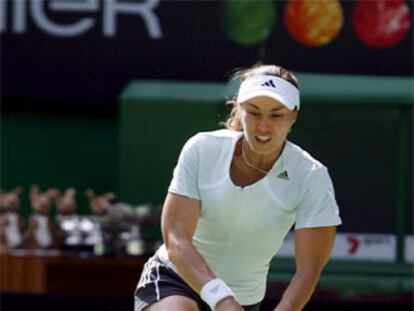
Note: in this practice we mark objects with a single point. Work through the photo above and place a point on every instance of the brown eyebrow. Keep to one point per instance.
(257, 108)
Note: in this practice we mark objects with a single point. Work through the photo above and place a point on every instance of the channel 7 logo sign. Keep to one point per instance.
(14, 15)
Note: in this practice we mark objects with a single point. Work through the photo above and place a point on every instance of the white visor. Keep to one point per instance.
(271, 86)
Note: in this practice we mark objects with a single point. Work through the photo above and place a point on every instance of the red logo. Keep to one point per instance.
(353, 244)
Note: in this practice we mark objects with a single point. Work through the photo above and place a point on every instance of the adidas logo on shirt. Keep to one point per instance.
(269, 83)
(283, 175)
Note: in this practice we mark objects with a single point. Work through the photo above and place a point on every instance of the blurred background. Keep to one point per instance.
(98, 97)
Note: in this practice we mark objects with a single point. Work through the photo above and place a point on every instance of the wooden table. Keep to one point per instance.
(54, 273)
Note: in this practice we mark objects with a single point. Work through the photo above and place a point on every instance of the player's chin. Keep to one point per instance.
(264, 148)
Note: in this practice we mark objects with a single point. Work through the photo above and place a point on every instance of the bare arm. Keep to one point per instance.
(178, 223)
(313, 247)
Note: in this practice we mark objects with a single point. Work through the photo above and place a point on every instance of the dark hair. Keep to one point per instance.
(233, 122)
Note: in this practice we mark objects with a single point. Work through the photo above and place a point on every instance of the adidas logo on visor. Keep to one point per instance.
(269, 83)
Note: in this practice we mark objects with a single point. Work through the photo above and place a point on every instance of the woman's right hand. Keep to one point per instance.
(228, 304)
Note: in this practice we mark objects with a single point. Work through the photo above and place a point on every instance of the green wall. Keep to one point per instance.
(153, 129)
(58, 150)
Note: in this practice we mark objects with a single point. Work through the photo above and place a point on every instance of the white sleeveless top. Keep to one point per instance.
(240, 229)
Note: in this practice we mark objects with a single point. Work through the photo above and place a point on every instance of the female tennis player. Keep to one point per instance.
(234, 195)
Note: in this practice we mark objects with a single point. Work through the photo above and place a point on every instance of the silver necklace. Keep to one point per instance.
(249, 164)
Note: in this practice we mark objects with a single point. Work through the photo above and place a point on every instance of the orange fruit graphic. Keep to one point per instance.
(313, 22)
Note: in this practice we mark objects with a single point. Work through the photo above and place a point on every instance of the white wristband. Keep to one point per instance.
(215, 291)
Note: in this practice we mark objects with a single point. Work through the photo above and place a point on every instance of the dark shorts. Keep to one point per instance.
(159, 281)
